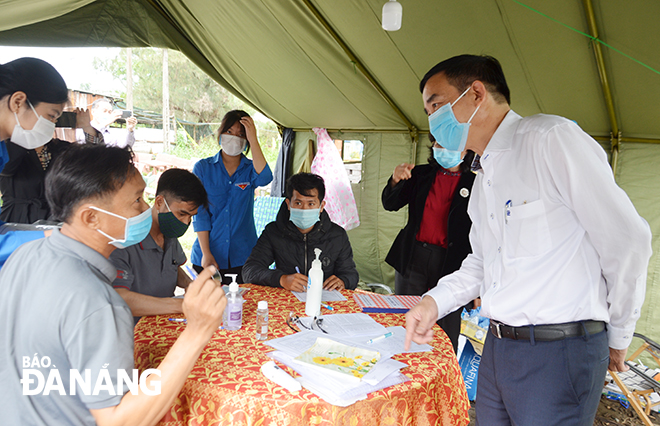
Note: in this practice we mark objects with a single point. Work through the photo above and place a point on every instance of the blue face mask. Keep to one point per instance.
(137, 228)
(446, 129)
(304, 218)
(446, 158)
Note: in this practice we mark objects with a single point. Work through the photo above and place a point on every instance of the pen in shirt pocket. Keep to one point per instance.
(507, 211)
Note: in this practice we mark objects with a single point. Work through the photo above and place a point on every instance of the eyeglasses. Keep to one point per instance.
(295, 319)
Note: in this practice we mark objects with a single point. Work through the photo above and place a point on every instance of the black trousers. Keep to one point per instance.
(422, 274)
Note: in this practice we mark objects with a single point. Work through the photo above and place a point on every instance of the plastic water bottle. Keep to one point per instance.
(314, 287)
(234, 309)
(262, 320)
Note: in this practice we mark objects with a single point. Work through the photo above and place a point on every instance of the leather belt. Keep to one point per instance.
(546, 333)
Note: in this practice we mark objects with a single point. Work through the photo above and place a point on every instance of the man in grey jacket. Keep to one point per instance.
(301, 226)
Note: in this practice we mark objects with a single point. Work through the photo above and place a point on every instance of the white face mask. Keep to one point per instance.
(232, 145)
(40, 135)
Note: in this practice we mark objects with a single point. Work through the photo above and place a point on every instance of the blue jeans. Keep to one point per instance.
(524, 383)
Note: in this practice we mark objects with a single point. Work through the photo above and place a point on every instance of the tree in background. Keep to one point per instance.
(194, 97)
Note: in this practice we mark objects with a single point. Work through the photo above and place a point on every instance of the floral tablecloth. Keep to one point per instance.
(226, 386)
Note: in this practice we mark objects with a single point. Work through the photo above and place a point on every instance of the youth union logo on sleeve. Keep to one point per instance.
(36, 382)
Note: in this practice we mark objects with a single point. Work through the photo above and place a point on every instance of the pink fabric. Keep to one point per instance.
(339, 199)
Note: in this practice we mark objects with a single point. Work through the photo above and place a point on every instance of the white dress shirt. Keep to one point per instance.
(108, 136)
(554, 238)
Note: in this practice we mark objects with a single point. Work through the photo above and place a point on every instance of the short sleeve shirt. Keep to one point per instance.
(58, 306)
(229, 218)
(148, 269)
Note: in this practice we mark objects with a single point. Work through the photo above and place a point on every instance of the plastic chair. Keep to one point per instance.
(643, 385)
(265, 211)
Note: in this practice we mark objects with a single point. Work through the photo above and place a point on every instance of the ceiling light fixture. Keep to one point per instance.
(392, 13)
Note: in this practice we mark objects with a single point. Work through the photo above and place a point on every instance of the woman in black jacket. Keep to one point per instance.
(435, 240)
(22, 181)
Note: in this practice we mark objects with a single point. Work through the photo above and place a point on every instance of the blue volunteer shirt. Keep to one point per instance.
(229, 218)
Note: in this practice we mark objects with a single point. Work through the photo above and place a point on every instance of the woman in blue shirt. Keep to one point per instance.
(32, 96)
(225, 231)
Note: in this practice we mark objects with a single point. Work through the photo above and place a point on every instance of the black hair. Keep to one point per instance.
(465, 166)
(304, 183)
(184, 186)
(85, 172)
(36, 78)
(461, 71)
(229, 120)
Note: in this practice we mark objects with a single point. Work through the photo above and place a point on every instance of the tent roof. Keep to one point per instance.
(278, 56)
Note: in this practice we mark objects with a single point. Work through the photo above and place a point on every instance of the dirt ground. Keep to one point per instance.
(610, 413)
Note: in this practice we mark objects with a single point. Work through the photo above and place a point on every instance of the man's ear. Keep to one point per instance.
(16, 101)
(479, 91)
(322, 206)
(88, 217)
(158, 202)
(288, 203)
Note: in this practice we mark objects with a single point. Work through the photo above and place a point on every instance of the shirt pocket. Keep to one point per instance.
(526, 230)
(218, 197)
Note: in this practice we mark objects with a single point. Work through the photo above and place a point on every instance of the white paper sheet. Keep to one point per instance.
(393, 344)
(345, 325)
(326, 296)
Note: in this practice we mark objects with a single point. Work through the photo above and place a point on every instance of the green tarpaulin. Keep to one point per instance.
(278, 56)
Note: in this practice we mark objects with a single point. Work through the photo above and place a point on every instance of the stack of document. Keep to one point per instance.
(340, 366)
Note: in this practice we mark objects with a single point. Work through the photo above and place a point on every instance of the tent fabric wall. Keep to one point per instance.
(638, 175)
(276, 56)
(371, 241)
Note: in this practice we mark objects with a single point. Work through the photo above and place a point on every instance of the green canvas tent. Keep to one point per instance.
(328, 63)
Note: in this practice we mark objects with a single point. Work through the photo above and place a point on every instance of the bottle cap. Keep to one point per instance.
(262, 304)
(233, 287)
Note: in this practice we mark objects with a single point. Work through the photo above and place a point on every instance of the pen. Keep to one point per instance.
(297, 269)
(193, 274)
(183, 320)
(328, 307)
(384, 336)
(190, 271)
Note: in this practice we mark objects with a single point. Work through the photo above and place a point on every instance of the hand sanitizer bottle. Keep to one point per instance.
(262, 320)
(234, 309)
(314, 287)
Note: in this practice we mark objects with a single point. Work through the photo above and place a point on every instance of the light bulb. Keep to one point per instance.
(392, 13)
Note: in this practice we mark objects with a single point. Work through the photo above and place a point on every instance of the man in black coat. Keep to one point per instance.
(301, 226)
(435, 240)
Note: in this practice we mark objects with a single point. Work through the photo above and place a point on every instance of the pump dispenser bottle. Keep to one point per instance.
(314, 287)
(234, 310)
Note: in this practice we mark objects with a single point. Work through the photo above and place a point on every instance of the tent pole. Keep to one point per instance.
(604, 80)
(358, 64)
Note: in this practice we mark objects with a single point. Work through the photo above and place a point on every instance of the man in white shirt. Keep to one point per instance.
(102, 116)
(559, 252)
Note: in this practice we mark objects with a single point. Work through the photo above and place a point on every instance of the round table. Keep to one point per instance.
(226, 386)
